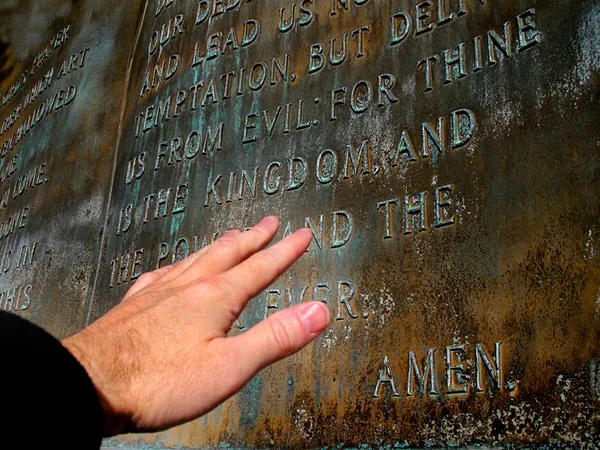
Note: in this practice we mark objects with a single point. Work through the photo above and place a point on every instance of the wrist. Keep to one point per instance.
(114, 422)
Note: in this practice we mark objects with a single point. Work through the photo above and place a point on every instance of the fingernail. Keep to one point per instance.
(270, 220)
(314, 317)
(231, 233)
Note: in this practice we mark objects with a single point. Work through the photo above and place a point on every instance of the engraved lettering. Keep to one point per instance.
(161, 5)
(427, 65)
(456, 376)
(444, 201)
(361, 97)
(421, 379)
(528, 35)
(181, 196)
(316, 59)
(317, 231)
(423, 13)
(298, 173)
(498, 45)
(272, 180)
(136, 168)
(385, 84)
(212, 192)
(342, 228)
(327, 166)
(137, 268)
(358, 162)
(494, 371)
(414, 213)
(346, 293)
(454, 64)
(249, 126)
(338, 97)
(399, 28)
(286, 25)
(386, 376)
(463, 127)
(126, 268)
(437, 138)
(388, 212)
(181, 250)
(405, 151)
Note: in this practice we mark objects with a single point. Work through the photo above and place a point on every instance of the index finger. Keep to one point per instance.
(250, 277)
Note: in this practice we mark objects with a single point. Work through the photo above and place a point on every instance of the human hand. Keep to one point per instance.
(161, 357)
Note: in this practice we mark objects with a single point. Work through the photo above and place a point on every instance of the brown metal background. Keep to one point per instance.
(520, 264)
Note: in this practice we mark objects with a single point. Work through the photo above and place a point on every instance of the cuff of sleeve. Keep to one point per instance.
(47, 396)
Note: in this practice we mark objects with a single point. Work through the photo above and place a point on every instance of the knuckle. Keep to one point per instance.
(210, 286)
(281, 336)
(235, 308)
(147, 278)
(200, 289)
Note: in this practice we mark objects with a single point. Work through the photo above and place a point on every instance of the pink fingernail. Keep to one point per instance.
(314, 317)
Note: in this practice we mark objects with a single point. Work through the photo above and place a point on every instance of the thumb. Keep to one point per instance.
(281, 335)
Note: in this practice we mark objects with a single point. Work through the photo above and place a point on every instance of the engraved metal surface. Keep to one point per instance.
(62, 79)
(445, 154)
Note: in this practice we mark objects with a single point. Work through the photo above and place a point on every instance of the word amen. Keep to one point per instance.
(422, 380)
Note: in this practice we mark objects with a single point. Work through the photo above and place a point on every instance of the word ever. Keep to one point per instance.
(343, 291)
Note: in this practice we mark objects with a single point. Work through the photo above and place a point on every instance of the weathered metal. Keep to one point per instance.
(445, 153)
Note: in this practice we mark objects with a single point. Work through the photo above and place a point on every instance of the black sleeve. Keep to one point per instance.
(47, 398)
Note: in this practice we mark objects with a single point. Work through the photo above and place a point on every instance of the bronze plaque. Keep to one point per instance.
(62, 67)
(445, 154)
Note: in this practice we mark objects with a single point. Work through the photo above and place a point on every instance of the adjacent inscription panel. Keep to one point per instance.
(61, 89)
(445, 154)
